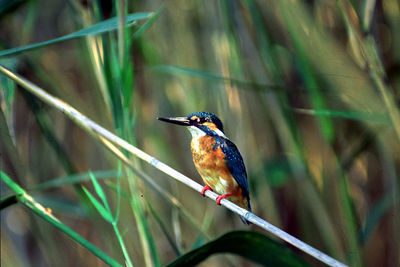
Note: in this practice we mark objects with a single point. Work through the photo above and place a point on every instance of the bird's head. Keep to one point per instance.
(199, 123)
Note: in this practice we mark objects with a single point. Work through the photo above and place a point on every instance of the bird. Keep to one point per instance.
(216, 158)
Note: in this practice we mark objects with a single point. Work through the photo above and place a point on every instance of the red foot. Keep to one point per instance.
(205, 188)
(221, 197)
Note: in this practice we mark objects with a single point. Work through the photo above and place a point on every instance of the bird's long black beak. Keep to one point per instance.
(176, 120)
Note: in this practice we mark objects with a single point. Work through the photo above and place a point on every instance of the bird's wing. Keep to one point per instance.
(236, 165)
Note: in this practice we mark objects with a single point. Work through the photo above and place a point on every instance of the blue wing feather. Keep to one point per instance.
(235, 163)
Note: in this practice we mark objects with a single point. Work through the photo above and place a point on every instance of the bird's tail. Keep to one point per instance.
(244, 220)
(249, 208)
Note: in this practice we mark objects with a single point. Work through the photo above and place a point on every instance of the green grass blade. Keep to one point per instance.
(98, 28)
(188, 71)
(8, 86)
(34, 206)
(178, 70)
(8, 181)
(174, 202)
(308, 75)
(148, 23)
(99, 190)
(118, 192)
(251, 245)
(381, 118)
(164, 229)
(64, 205)
(375, 215)
(105, 212)
(122, 244)
(100, 208)
(367, 13)
(74, 179)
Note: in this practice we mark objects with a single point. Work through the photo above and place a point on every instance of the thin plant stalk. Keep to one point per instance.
(122, 244)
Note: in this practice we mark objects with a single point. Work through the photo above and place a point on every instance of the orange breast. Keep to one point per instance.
(212, 168)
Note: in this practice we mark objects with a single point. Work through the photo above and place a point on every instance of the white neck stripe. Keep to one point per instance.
(220, 133)
(196, 132)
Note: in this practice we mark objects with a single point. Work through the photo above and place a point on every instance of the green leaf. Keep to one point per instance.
(251, 245)
(164, 229)
(10, 183)
(8, 86)
(148, 23)
(103, 212)
(74, 179)
(63, 205)
(98, 28)
(99, 190)
(375, 215)
(37, 208)
(178, 70)
(118, 192)
(381, 118)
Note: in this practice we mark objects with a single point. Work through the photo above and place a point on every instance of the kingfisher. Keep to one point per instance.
(216, 158)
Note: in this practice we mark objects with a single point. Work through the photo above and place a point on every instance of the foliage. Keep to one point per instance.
(251, 245)
(308, 90)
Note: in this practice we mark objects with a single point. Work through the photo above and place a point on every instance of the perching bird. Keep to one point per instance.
(216, 158)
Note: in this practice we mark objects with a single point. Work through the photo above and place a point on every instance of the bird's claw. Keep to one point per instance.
(205, 188)
(219, 198)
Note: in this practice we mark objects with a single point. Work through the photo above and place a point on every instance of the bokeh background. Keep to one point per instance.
(308, 91)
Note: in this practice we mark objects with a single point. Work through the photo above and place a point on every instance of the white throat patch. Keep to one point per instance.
(196, 132)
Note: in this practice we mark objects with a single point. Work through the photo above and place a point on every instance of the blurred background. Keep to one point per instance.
(308, 91)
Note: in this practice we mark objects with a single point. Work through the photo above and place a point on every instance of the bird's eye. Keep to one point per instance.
(203, 120)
